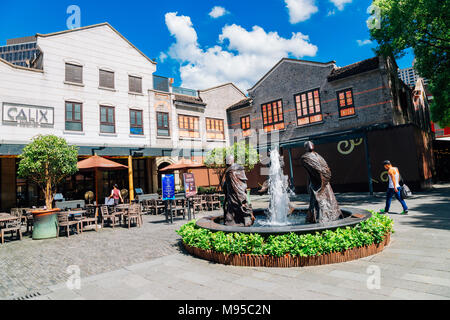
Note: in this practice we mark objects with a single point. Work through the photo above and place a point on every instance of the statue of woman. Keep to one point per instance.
(237, 211)
(323, 205)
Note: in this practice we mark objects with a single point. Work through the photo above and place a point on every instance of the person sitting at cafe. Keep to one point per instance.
(116, 195)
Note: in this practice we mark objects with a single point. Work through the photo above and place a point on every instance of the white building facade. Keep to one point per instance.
(94, 88)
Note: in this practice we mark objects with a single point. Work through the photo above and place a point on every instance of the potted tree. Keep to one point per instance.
(47, 161)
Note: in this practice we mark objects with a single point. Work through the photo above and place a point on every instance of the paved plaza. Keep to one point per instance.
(148, 263)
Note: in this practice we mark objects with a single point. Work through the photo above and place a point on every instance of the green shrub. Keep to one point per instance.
(373, 230)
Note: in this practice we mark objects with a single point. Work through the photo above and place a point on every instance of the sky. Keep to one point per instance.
(204, 43)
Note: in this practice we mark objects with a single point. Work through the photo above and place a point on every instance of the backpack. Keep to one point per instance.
(405, 192)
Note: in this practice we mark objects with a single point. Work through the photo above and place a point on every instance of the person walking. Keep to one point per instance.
(394, 188)
(116, 195)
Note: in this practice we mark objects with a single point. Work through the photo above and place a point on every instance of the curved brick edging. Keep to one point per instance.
(246, 260)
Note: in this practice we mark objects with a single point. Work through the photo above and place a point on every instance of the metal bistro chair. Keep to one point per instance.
(160, 206)
(214, 202)
(134, 213)
(11, 226)
(109, 216)
(65, 222)
(204, 202)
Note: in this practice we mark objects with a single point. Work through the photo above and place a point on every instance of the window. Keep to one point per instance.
(107, 120)
(135, 84)
(189, 126)
(273, 118)
(74, 116)
(214, 129)
(74, 73)
(162, 124)
(106, 79)
(136, 124)
(308, 107)
(245, 126)
(346, 103)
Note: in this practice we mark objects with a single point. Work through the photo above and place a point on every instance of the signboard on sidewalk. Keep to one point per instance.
(189, 185)
(168, 187)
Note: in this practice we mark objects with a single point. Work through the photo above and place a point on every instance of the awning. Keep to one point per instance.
(182, 165)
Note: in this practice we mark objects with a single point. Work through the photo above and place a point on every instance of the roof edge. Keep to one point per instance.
(91, 27)
(322, 64)
(20, 67)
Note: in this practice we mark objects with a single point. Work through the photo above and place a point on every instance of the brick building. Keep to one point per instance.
(357, 115)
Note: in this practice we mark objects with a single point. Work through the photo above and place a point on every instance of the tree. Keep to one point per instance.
(424, 26)
(47, 160)
(244, 154)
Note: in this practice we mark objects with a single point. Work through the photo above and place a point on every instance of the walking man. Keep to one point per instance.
(394, 188)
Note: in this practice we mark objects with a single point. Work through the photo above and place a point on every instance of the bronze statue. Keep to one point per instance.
(236, 209)
(323, 205)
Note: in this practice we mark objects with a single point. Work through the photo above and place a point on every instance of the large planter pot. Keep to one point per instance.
(45, 224)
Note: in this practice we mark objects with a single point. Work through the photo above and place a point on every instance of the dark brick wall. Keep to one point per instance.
(372, 97)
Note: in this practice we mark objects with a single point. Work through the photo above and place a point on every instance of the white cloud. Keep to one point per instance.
(241, 57)
(300, 10)
(340, 3)
(163, 57)
(363, 42)
(217, 12)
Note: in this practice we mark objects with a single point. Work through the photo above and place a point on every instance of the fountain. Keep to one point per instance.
(281, 218)
(263, 228)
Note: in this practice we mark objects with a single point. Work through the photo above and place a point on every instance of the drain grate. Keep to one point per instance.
(29, 296)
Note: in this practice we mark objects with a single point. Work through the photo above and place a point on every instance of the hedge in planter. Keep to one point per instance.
(370, 234)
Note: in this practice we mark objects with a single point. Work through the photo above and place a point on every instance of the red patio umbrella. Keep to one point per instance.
(97, 163)
(183, 164)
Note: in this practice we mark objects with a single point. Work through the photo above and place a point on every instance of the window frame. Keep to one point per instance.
(129, 84)
(163, 128)
(100, 79)
(310, 116)
(141, 126)
(73, 112)
(190, 131)
(108, 123)
(270, 126)
(215, 131)
(246, 130)
(347, 106)
(73, 65)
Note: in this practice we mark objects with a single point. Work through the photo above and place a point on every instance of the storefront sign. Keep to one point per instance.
(168, 187)
(189, 185)
(30, 116)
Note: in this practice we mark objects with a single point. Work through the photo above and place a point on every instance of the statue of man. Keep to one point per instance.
(237, 211)
(323, 205)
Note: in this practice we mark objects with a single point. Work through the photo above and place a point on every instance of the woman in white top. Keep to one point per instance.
(394, 188)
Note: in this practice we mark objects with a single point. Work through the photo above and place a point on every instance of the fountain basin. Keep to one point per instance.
(352, 217)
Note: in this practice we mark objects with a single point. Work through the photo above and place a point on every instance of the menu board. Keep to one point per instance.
(189, 185)
(168, 187)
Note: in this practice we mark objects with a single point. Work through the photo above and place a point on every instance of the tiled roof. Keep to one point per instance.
(242, 103)
(188, 99)
(355, 68)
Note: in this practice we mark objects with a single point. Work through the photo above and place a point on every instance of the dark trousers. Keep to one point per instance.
(390, 193)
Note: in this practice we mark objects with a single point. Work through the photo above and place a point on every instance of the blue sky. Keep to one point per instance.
(201, 49)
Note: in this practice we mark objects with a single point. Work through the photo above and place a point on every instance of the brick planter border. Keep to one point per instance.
(247, 260)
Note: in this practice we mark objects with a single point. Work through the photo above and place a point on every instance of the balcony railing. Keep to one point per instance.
(187, 92)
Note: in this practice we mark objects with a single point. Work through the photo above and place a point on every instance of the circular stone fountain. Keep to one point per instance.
(281, 218)
(295, 223)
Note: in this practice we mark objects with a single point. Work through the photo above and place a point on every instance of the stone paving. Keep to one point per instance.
(148, 263)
